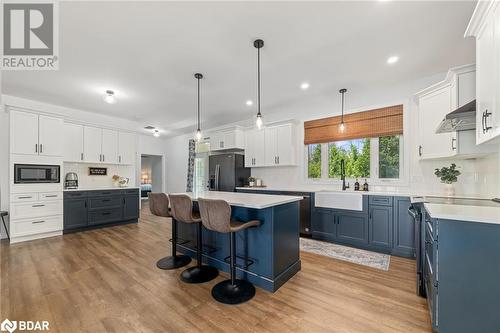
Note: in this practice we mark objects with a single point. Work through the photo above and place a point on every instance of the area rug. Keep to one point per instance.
(357, 256)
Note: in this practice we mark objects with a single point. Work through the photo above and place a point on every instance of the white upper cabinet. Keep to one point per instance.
(92, 144)
(127, 146)
(485, 26)
(109, 148)
(434, 103)
(73, 143)
(271, 146)
(50, 131)
(23, 133)
(33, 134)
(254, 148)
(227, 139)
(432, 109)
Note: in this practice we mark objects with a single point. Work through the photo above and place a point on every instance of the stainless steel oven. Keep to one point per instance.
(36, 173)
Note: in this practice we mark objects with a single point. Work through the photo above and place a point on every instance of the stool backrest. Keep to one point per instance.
(215, 214)
(182, 208)
(158, 204)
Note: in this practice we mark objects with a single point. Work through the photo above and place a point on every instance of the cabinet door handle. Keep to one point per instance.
(486, 116)
(103, 157)
(106, 213)
(81, 156)
(482, 123)
(25, 197)
(106, 200)
(51, 196)
(41, 148)
(120, 159)
(36, 206)
(453, 144)
(36, 222)
(420, 150)
(36, 148)
(85, 205)
(278, 159)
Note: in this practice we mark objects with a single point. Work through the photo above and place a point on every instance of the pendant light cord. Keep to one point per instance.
(342, 107)
(198, 104)
(258, 81)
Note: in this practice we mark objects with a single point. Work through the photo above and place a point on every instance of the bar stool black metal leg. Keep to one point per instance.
(199, 273)
(233, 291)
(174, 261)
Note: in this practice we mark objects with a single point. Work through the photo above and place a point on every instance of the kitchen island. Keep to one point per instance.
(267, 255)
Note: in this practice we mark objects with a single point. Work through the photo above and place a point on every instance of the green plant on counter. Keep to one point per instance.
(448, 175)
(251, 179)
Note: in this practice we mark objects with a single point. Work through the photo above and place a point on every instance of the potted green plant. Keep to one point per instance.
(448, 176)
(251, 181)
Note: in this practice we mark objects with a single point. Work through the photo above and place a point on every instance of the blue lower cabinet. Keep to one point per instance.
(404, 229)
(323, 224)
(352, 228)
(380, 226)
(86, 209)
(383, 225)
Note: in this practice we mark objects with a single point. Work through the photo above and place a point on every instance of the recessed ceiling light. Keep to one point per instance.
(392, 60)
(249, 102)
(109, 97)
(304, 85)
(156, 133)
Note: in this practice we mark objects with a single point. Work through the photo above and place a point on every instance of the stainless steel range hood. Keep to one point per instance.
(462, 119)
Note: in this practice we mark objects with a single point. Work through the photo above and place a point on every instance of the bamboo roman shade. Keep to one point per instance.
(367, 124)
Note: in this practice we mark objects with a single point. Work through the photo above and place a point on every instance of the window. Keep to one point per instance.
(356, 155)
(388, 157)
(373, 158)
(314, 161)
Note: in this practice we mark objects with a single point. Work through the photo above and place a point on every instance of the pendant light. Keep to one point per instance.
(198, 77)
(258, 44)
(342, 124)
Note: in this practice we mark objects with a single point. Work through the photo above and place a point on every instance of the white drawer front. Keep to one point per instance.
(35, 209)
(36, 226)
(24, 197)
(51, 196)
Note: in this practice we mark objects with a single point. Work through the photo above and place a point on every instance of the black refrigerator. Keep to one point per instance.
(227, 171)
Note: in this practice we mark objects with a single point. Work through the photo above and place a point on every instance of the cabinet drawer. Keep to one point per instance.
(24, 197)
(36, 226)
(105, 202)
(131, 191)
(75, 194)
(105, 193)
(36, 209)
(51, 196)
(380, 200)
(105, 216)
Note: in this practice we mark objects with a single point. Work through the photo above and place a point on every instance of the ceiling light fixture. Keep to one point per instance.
(392, 60)
(249, 102)
(156, 133)
(342, 125)
(304, 85)
(109, 97)
(258, 44)
(198, 77)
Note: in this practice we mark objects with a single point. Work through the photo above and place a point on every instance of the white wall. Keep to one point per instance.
(479, 177)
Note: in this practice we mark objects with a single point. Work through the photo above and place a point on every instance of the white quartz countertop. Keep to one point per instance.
(479, 214)
(247, 200)
(100, 188)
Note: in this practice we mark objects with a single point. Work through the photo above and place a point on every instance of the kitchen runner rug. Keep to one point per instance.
(357, 256)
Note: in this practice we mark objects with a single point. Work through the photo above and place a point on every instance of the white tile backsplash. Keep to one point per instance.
(87, 181)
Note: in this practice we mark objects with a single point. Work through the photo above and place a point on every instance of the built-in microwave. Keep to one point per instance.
(36, 173)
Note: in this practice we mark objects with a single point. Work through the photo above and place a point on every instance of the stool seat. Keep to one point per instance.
(216, 216)
(3, 213)
(159, 206)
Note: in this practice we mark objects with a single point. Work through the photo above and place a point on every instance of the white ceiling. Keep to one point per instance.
(148, 53)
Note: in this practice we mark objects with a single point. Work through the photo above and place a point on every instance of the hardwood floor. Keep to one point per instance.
(106, 280)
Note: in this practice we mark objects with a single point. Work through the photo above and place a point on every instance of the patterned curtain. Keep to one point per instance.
(190, 173)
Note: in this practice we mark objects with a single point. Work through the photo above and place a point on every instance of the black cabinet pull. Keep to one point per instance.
(106, 200)
(36, 148)
(41, 148)
(106, 213)
(38, 206)
(453, 144)
(36, 222)
(486, 116)
(420, 150)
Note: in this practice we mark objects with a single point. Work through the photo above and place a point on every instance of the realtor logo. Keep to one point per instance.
(8, 325)
(30, 35)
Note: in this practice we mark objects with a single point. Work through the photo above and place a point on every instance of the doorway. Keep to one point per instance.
(201, 167)
(151, 175)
